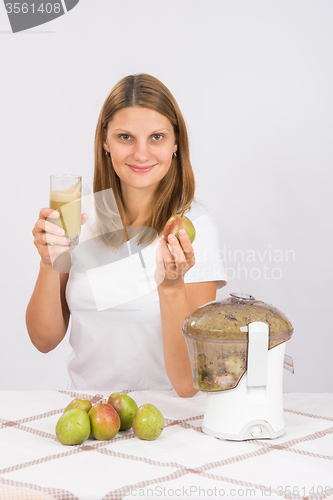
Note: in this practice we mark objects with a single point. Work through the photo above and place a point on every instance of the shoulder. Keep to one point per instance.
(206, 230)
(206, 245)
(197, 211)
(203, 222)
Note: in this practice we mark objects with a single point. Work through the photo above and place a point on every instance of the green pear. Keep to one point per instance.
(148, 422)
(177, 222)
(104, 421)
(73, 427)
(80, 404)
(125, 406)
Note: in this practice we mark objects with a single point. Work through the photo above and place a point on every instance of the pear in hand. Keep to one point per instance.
(177, 222)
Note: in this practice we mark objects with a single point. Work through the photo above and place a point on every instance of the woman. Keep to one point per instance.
(142, 154)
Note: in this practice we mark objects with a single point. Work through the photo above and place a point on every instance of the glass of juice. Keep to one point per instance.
(65, 197)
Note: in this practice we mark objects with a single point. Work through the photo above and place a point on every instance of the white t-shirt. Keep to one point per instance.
(116, 331)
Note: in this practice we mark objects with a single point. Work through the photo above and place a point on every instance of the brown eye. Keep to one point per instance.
(157, 137)
(125, 137)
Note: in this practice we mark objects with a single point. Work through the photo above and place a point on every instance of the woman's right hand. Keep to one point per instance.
(49, 238)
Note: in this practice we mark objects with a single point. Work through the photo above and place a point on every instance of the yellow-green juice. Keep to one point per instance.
(68, 204)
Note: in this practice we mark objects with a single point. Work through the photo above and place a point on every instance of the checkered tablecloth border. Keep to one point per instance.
(99, 446)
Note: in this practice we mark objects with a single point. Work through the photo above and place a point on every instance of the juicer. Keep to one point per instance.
(237, 348)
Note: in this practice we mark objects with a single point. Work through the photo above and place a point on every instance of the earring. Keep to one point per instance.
(106, 152)
(174, 154)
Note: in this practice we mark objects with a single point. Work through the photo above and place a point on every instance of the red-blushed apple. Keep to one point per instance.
(177, 222)
(125, 406)
(104, 421)
(148, 422)
(73, 427)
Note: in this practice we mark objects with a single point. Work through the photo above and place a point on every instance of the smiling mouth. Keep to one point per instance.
(142, 169)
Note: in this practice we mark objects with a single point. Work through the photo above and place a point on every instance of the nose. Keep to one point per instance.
(141, 153)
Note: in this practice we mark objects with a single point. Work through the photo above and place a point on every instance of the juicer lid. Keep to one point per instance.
(228, 319)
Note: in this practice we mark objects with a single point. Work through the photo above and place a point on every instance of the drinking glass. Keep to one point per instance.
(65, 197)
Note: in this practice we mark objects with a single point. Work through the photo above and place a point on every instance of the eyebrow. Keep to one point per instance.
(124, 131)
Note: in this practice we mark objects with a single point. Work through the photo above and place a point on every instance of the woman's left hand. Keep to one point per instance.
(172, 263)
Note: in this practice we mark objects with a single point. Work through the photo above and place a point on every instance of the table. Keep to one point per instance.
(182, 463)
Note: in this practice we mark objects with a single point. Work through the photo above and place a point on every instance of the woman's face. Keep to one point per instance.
(141, 142)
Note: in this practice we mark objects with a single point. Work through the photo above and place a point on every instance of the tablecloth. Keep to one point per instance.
(182, 463)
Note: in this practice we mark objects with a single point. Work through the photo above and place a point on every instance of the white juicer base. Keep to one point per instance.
(257, 429)
(249, 412)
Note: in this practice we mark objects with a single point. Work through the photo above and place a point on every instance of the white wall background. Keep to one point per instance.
(254, 81)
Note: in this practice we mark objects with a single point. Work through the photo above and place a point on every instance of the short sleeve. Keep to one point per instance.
(208, 256)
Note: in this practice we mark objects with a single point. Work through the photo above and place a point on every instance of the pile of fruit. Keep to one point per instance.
(102, 421)
(217, 370)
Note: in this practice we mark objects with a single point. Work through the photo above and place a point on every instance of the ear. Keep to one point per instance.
(105, 146)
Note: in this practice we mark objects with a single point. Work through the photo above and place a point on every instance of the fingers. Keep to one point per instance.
(168, 261)
(49, 238)
(53, 244)
(48, 212)
(43, 225)
(185, 242)
(182, 251)
(177, 259)
(84, 218)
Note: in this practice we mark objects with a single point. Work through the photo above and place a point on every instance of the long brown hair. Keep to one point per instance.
(175, 191)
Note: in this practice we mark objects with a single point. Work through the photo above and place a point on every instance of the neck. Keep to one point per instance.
(137, 204)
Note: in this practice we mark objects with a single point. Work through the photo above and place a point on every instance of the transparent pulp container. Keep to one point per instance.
(217, 338)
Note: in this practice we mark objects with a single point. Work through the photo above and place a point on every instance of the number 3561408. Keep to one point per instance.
(25, 8)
